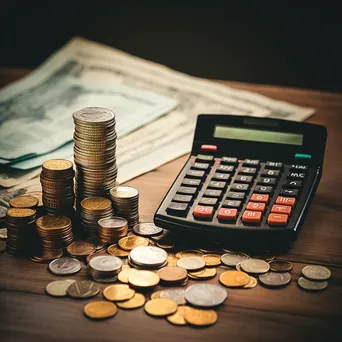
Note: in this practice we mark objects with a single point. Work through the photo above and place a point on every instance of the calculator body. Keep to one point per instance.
(246, 178)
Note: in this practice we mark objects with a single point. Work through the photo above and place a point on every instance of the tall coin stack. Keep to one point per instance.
(20, 230)
(126, 203)
(110, 230)
(94, 152)
(57, 179)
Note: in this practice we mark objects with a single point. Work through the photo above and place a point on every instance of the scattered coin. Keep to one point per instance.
(253, 282)
(205, 295)
(178, 317)
(166, 244)
(176, 295)
(255, 266)
(280, 266)
(234, 278)
(233, 258)
(147, 229)
(137, 301)
(129, 242)
(275, 279)
(311, 285)
(38, 195)
(160, 307)
(59, 288)
(80, 249)
(143, 279)
(191, 263)
(200, 317)
(65, 266)
(156, 294)
(212, 259)
(118, 292)
(238, 266)
(203, 274)
(316, 272)
(148, 256)
(172, 274)
(100, 309)
(83, 289)
(189, 253)
(117, 251)
(124, 274)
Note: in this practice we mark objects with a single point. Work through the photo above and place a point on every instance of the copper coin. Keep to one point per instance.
(24, 202)
(83, 289)
(81, 248)
(172, 274)
(178, 317)
(100, 309)
(280, 266)
(275, 279)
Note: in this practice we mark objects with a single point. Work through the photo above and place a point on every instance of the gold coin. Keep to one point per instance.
(172, 260)
(178, 317)
(156, 295)
(118, 292)
(160, 307)
(143, 279)
(212, 259)
(19, 212)
(96, 203)
(188, 253)
(135, 302)
(125, 273)
(203, 274)
(252, 283)
(24, 202)
(116, 251)
(172, 274)
(200, 317)
(100, 309)
(129, 242)
(53, 222)
(57, 164)
(165, 245)
(234, 278)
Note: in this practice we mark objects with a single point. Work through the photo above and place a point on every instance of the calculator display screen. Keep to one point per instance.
(237, 133)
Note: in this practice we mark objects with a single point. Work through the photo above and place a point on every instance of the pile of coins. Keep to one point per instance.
(94, 209)
(28, 202)
(126, 203)
(94, 152)
(54, 231)
(104, 268)
(111, 229)
(20, 230)
(57, 180)
(315, 278)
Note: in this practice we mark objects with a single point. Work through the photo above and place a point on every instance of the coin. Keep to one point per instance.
(100, 309)
(205, 295)
(316, 272)
(65, 266)
(83, 289)
(147, 229)
(104, 267)
(275, 279)
(203, 274)
(58, 288)
(188, 253)
(46, 255)
(172, 274)
(256, 266)
(233, 258)
(143, 279)
(80, 249)
(137, 301)
(148, 256)
(118, 292)
(112, 228)
(253, 282)
(238, 266)
(129, 242)
(177, 295)
(234, 278)
(160, 307)
(191, 263)
(172, 260)
(124, 274)
(178, 317)
(212, 259)
(156, 294)
(311, 285)
(200, 317)
(117, 251)
(57, 165)
(280, 266)
(93, 255)
(38, 195)
(23, 202)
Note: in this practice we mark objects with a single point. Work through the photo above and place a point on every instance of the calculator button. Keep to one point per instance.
(235, 195)
(239, 187)
(227, 214)
(260, 198)
(200, 166)
(203, 158)
(296, 175)
(177, 209)
(208, 148)
(208, 201)
(296, 167)
(251, 216)
(203, 211)
(186, 190)
(256, 206)
(221, 176)
(217, 185)
(195, 174)
(289, 192)
(182, 198)
(263, 189)
(286, 200)
(271, 173)
(191, 182)
(212, 193)
(225, 168)
(277, 219)
(266, 180)
(273, 165)
(231, 204)
(292, 183)
(251, 162)
(229, 161)
(281, 209)
(248, 170)
(243, 179)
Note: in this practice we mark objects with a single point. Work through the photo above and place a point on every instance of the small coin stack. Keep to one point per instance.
(20, 230)
(94, 209)
(55, 231)
(147, 257)
(105, 268)
(94, 152)
(111, 229)
(80, 249)
(28, 202)
(57, 179)
(126, 203)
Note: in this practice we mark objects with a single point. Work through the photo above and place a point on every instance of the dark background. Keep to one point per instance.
(255, 41)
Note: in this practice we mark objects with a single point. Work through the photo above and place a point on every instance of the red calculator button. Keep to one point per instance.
(277, 219)
(208, 148)
(227, 214)
(286, 200)
(203, 211)
(256, 206)
(281, 209)
(260, 198)
(251, 216)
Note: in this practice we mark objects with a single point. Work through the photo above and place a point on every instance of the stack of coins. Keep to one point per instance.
(55, 231)
(20, 230)
(111, 229)
(94, 152)
(57, 179)
(105, 268)
(147, 257)
(126, 203)
(94, 209)
(173, 276)
(28, 202)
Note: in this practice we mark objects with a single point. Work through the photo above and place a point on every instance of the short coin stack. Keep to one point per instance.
(111, 229)
(94, 209)
(104, 268)
(28, 202)
(94, 152)
(20, 230)
(126, 203)
(57, 179)
(147, 257)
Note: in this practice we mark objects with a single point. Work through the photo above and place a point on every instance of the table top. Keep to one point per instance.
(29, 314)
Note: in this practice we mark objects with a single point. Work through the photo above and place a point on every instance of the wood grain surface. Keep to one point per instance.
(27, 313)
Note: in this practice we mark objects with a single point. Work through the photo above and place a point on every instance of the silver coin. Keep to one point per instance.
(191, 263)
(275, 279)
(147, 229)
(105, 263)
(149, 256)
(205, 295)
(233, 258)
(64, 266)
(124, 192)
(83, 289)
(59, 288)
(256, 266)
(316, 272)
(177, 295)
(311, 285)
(94, 114)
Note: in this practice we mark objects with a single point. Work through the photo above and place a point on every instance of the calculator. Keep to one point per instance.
(247, 176)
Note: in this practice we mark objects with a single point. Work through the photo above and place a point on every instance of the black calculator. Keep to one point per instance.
(247, 176)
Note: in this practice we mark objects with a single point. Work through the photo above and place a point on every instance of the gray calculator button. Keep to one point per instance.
(182, 198)
(208, 201)
(239, 187)
(212, 193)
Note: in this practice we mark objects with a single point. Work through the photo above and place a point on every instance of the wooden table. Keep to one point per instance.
(28, 314)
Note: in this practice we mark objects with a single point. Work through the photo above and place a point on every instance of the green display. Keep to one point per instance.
(236, 133)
